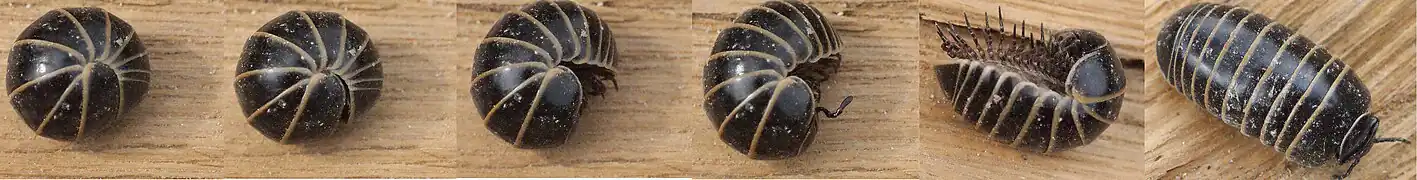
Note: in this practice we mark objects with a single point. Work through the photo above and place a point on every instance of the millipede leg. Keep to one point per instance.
(830, 114)
(1392, 139)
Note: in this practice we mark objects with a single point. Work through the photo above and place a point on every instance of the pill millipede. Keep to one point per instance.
(1270, 83)
(76, 71)
(534, 69)
(1039, 92)
(305, 74)
(761, 83)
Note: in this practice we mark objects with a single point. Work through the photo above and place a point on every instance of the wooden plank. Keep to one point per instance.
(1373, 37)
(953, 150)
(189, 126)
(875, 138)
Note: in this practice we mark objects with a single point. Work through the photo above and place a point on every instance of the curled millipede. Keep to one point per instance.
(75, 71)
(306, 73)
(1044, 95)
(530, 69)
(1271, 83)
(761, 82)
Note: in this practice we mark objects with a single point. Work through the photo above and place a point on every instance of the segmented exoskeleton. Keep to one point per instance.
(1259, 76)
(306, 73)
(1044, 95)
(530, 69)
(75, 71)
(761, 81)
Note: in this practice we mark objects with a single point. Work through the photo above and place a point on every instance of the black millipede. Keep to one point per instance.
(1044, 94)
(530, 68)
(1273, 84)
(306, 73)
(761, 82)
(75, 71)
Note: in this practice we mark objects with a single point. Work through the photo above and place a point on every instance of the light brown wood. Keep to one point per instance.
(1373, 37)
(953, 150)
(874, 138)
(189, 125)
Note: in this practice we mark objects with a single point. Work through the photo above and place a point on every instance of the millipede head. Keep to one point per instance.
(1359, 140)
(594, 78)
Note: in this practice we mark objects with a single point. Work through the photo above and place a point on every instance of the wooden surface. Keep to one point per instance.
(874, 138)
(190, 126)
(1373, 37)
(952, 150)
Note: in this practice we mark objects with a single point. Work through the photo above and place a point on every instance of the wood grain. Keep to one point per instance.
(874, 138)
(953, 150)
(425, 125)
(1376, 38)
(637, 131)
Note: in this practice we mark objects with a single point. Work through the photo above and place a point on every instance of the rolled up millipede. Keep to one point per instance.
(305, 74)
(76, 71)
(1269, 82)
(1037, 92)
(534, 69)
(761, 82)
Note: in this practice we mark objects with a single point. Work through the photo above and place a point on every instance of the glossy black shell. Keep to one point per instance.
(1044, 95)
(306, 73)
(1267, 81)
(535, 67)
(76, 71)
(760, 83)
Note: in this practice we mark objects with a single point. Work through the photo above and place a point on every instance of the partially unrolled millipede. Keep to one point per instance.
(536, 66)
(761, 82)
(1044, 93)
(305, 74)
(1271, 83)
(76, 71)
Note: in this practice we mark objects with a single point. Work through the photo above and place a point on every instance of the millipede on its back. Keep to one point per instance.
(1044, 95)
(76, 70)
(761, 81)
(306, 73)
(1272, 84)
(529, 71)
